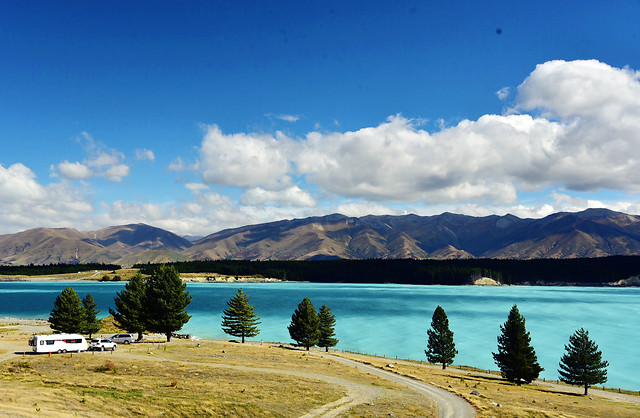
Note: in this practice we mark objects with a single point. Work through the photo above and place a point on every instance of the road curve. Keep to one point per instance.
(450, 405)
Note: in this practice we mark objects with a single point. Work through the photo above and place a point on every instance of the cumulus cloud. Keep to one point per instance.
(357, 209)
(292, 196)
(503, 93)
(75, 171)
(245, 160)
(25, 203)
(145, 155)
(286, 118)
(100, 162)
(574, 125)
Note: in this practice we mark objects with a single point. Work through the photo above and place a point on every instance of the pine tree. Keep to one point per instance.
(239, 318)
(305, 325)
(130, 313)
(516, 358)
(582, 364)
(91, 321)
(327, 323)
(166, 299)
(68, 314)
(440, 346)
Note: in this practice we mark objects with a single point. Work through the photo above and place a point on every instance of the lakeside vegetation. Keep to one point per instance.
(581, 271)
(601, 271)
(54, 269)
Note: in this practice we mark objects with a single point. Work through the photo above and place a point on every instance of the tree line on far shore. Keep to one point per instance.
(582, 271)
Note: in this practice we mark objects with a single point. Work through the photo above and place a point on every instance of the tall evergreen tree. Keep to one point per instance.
(130, 306)
(327, 323)
(582, 364)
(91, 321)
(239, 319)
(166, 300)
(516, 358)
(440, 346)
(67, 315)
(305, 325)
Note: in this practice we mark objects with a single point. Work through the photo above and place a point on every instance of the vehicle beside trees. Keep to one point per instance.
(516, 358)
(91, 321)
(129, 313)
(582, 363)
(440, 346)
(156, 304)
(239, 318)
(165, 301)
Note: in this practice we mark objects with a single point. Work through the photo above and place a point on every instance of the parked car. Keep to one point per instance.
(122, 338)
(102, 344)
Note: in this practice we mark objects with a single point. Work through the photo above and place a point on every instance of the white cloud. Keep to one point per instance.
(74, 171)
(178, 165)
(244, 160)
(25, 203)
(286, 118)
(196, 188)
(101, 162)
(292, 196)
(18, 184)
(357, 209)
(503, 93)
(145, 155)
(116, 173)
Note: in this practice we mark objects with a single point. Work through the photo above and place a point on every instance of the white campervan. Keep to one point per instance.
(58, 343)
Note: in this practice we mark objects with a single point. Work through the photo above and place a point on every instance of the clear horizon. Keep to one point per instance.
(200, 117)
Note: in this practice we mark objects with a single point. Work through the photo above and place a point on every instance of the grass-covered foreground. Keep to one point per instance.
(211, 378)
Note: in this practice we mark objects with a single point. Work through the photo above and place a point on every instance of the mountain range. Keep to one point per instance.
(591, 233)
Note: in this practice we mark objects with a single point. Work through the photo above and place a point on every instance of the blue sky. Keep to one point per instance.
(211, 115)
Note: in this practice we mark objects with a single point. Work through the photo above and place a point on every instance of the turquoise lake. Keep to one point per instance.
(392, 320)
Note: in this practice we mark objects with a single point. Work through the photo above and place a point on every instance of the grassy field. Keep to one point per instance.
(498, 398)
(216, 378)
(187, 378)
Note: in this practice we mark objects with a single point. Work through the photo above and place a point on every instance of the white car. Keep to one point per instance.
(122, 338)
(102, 344)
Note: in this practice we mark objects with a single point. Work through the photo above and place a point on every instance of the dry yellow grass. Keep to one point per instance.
(187, 378)
(514, 401)
(217, 378)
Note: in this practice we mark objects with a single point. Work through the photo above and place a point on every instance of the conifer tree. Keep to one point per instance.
(440, 346)
(91, 321)
(516, 358)
(67, 315)
(239, 318)
(327, 323)
(130, 302)
(582, 364)
(305, 325)
(166, 299)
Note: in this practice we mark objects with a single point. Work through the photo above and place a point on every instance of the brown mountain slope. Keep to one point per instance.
(109, 245)
(591, 233)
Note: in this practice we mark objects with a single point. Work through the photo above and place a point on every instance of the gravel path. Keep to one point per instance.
(449, 404)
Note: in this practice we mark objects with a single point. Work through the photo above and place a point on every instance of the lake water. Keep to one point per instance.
(392, 319)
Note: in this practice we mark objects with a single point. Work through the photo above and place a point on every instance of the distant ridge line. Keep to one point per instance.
(585, 234)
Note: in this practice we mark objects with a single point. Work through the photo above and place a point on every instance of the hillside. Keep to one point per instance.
(591, 233)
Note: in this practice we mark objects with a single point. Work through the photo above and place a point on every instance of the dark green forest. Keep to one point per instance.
(581, 271)
(43, 270)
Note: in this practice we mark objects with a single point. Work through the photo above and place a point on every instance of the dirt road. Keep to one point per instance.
(449, 404)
